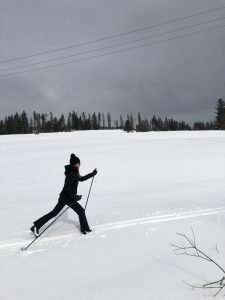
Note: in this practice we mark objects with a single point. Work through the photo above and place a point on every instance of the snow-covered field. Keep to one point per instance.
(149, 187)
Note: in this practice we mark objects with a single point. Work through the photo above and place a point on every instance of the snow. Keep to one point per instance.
(149, 187)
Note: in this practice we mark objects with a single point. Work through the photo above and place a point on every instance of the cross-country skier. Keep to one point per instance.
(68, 196)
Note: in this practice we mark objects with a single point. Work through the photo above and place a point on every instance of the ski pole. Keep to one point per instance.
(89, 192)
(25, 248)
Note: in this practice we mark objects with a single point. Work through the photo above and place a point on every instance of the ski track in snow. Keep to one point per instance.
(21, 240)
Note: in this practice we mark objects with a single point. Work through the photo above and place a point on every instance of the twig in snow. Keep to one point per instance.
(191, 249)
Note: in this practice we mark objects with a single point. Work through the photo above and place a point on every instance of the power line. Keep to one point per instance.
(115, 35)
(114, 52)
(112, 46)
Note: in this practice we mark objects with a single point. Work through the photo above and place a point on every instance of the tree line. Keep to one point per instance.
(40, 122)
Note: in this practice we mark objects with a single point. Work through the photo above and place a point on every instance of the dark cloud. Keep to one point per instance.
(181, 78)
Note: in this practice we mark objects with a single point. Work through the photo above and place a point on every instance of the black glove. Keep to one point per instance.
(78, 197)
(94, 172)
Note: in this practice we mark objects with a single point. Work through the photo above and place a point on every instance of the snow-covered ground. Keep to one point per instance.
(149, 187)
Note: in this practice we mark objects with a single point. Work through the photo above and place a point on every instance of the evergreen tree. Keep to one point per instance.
(83, 124)
(142, 125)
(62, 123)
(69, 122)
(15, 123)
(51, 122)
(132, 120)
(116, 124)
(166, 124)
(89, 123)
(80, 124)
(220, 114)
(37, 118)
(154, 123)
(109, 120)
(139, 119)
(121, 122)
(35, 122)
(43, 122)
(94, 121)
(24, 123)
(31, 125)
(9, 126)
(128, 126)
(99, 120)
(199, 126)
(210, 125)
(103, 120)
(2, 127)
(56, 125)
(75, 121)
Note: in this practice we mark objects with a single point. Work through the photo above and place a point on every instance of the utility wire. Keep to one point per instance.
(113, 45)
(114, 52)
(113, 36)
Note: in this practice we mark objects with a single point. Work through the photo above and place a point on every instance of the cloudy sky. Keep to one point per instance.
(181, 78)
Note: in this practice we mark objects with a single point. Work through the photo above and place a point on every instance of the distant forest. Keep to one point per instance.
(42, 122)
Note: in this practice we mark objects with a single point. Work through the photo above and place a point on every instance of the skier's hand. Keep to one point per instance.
(94, 172)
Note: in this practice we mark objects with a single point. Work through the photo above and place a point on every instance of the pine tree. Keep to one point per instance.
(116, 124)
(9, 125)
(35, 122)
(43, 118)
(2, 127)
(24, 123)
(121, 122)
(31, 125)
(109, 120)
(69, 122)
(38, 123)
(139, 119)
(75, 121)
(143, 125)
(99, 120)
(89, 123)
(128, 126)
(56, 127)
(83, 124)
(62, 123)
(15, 123)
(166, 125)
(51, 122)
(103, 120)
(154, 123)
(220, 114)
(80, 123)
(132, 120)
(94, 121)
(160, 124)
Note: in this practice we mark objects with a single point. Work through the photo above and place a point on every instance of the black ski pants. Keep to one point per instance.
(59, 206)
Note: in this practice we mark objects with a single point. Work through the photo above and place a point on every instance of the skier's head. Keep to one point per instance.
(74, 160)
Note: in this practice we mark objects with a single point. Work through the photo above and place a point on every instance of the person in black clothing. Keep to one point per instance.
(68, 196)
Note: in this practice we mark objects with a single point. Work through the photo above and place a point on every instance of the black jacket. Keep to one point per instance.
(71, 182)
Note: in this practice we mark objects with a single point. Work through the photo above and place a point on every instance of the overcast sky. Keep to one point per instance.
(181, 78)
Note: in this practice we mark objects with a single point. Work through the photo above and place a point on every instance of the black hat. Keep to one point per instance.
(74, 159)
